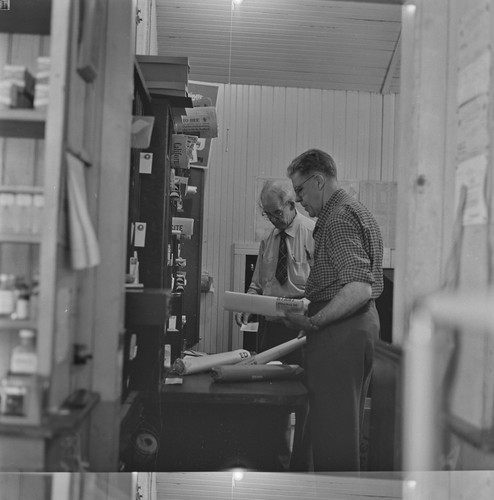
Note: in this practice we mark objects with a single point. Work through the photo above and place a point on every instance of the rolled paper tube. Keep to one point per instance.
(262, 304)
(188, 366)
(276, 352)
(252, 373)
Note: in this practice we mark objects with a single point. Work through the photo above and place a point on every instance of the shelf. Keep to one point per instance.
(22, 123)
(27, 17)
(17, 324)
(21, 189)
(30, 239)
(53, 424)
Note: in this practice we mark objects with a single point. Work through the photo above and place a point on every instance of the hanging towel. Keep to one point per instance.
(84, 248)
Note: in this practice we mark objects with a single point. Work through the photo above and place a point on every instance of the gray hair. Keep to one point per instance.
(313, 160)
(282, 189)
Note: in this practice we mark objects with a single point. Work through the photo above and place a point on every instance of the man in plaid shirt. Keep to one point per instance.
(342, 322)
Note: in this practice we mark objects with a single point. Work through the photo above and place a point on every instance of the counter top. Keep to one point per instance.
(201, 388)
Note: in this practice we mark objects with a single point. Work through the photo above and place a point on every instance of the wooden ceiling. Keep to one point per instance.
(324, 44)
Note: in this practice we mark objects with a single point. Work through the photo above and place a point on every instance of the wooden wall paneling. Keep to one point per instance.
(278, 137)
(254, 158)
(224, 216)
(229, 208)
(340, 126)
(291, 126)
(211, 214)
(375, 137)
(302, 111)
(266, 126)
(388, 138)
(351, 140)
(363, 135)
(216, 212)
(327, 124)
(317, 118)
(238, 197)
(397, 135)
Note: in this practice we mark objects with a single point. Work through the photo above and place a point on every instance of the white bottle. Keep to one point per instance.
(24, 359)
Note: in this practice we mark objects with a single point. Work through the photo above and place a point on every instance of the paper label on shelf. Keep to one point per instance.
(140, 234)
(167, 361)
(184, 225)
(145, 163)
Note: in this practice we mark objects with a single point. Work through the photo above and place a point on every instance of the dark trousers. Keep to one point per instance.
(338, 369)
(272, 334)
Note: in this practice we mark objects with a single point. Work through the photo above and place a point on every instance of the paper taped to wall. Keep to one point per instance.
(262, 304)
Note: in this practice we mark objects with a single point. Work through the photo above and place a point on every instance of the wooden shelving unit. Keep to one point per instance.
(22, 123)
(77, 307)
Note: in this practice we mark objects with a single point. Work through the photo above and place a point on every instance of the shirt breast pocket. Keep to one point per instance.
(301, 272)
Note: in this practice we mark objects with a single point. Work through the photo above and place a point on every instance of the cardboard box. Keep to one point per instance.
(164, 69)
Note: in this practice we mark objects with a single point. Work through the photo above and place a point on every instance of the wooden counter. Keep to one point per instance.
(207, 425)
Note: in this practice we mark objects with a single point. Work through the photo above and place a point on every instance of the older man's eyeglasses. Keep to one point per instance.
(298, 189)
(275, 214)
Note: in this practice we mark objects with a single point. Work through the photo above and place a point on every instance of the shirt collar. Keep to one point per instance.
(334, 200)
(291, 229)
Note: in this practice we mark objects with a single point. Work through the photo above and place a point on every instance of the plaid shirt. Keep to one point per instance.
(348, 248)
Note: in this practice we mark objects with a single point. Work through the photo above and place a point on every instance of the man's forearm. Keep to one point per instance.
(348, 300)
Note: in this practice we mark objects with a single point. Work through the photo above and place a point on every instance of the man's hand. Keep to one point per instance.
(297, 321)
(242, 318)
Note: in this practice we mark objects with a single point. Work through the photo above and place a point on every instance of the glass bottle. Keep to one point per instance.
(7, 295)
(22, 296)
(24, 359)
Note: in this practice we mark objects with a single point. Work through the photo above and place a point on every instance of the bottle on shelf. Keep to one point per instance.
(7, 295)
(24, 359)
(22, 298)
(34, 298)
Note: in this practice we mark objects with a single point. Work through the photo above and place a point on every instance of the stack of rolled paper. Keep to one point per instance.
(187, 366)
(252, 373)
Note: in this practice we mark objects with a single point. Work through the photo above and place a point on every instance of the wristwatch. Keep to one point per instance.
(312, 324)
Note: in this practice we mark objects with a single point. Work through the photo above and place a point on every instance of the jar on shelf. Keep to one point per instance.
(7, 295)
(24, 359)
(22, 299)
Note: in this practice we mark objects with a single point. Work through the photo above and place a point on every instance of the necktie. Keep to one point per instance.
(281, 267)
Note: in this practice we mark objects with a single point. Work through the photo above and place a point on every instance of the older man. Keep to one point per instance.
(282, 265)
(342, 321)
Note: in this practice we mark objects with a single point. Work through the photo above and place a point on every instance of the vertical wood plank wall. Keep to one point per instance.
(261, 129)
